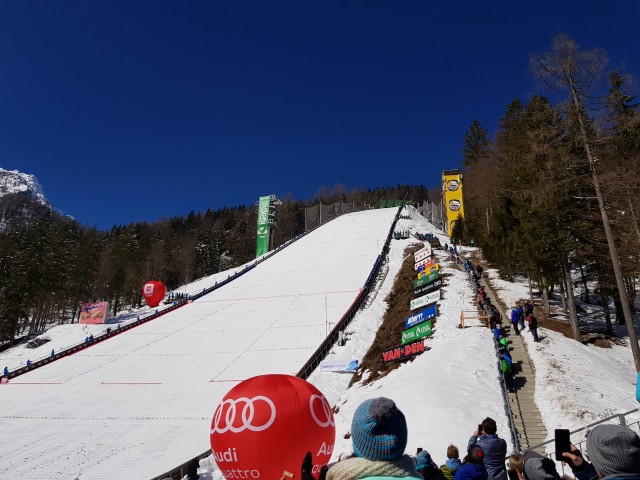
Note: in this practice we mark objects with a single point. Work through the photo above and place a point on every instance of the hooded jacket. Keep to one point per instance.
(471, 471)
(450, 467)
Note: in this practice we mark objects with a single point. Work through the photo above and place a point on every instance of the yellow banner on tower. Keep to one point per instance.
(452, 193)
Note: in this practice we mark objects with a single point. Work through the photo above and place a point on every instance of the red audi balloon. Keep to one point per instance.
(153, 292)
(264, 426)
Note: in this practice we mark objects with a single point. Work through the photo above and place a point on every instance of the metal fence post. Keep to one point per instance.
(622, 420)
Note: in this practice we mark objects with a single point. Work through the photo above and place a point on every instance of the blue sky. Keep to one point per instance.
(128, 111)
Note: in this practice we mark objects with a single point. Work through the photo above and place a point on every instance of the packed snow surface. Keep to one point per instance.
(141, 402)
(444, 392)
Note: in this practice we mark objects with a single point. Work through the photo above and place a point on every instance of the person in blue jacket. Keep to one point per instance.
(452, 464)
(514, 320)
(497, 332)
(472, 467)
(494, 447)
(507, 356)
(614, 452)
(6, 370)
(520, 316)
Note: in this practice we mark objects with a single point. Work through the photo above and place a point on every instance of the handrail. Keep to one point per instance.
(321, 352)
(329, 341)
(505, 397)
(621, 417)
(473, 278)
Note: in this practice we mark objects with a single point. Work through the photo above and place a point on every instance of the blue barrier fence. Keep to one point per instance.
(70, 350)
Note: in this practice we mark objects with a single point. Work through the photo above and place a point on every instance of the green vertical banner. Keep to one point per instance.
(262, 238)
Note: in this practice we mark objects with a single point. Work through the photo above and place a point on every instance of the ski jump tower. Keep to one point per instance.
(452, 198)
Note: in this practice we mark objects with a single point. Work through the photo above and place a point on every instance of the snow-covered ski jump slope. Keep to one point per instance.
(140, 403)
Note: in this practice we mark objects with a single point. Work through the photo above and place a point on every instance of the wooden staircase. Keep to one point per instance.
(526, 416)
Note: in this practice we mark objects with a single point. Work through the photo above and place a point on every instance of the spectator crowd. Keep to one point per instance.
(519, 314)
(379, 441)
(379, 432)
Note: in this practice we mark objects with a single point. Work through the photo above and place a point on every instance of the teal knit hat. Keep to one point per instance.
(379, 430)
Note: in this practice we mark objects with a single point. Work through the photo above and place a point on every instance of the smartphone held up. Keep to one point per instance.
(562, 444)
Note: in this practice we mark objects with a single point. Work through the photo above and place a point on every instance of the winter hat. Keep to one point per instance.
(614, 450)
(424, 460)
(540, 468)
(378, 430)
(476, 454)
(529, 454)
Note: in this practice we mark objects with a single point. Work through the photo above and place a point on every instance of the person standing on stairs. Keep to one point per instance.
(506, 356)
(533, 327)
(505, 369)
(497, 332)
(520, 317)
(528, 309)
(495, 316)
(514, 320)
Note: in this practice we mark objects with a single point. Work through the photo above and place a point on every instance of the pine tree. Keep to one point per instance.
(575, 73)
(476, 142)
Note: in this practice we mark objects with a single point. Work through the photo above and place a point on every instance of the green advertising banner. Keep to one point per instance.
(417, 332)
(262, 238)
(427, 299)
(426, 279)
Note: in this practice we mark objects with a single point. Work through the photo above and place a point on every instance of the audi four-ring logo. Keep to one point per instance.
(228, 423)
(325, 411)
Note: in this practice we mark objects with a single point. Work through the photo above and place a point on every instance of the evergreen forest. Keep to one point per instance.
(554, 194)
(50, 264)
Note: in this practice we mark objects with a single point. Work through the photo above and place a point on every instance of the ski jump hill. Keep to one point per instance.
(140, 403)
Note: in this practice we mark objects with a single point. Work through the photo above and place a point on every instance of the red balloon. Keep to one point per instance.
(264, 426)
(153, 292)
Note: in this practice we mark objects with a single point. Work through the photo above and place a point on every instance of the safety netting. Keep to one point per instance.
(433, 212)
(318, 214)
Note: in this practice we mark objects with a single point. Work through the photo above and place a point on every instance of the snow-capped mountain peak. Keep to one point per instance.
(13, 181)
